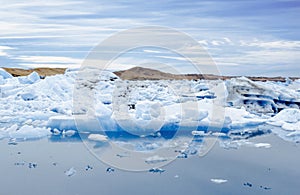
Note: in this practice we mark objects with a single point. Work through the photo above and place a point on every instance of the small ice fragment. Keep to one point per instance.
(157, 170)
(262, 145)
(20, 163)
(201, 133)
(70, 172)
(69, 133)
(248, 184)
(176, 176)
(218, 181)
(182, 155)
(110, 170)
(55, 131)
(155, 159)
(97, 137)
(218, 134)
(12, 142)
(32, 165)
(265, 188)
(123, 155)
(88, 167)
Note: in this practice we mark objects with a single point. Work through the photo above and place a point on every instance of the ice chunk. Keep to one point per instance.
(70, 172)
(290, 115)
(262, 145)
(29, 132)
(291, 126)
(200, 133)
(30, 79)
(288, 119)
(33, 77)
(32, 165)
(28, 96)
(110, 170)
(155, 159)
(88, 167)
(156, 170)
(248, 184)
(218, 181)
(97, 137)
(240, 118)
(5, 74)
(62, 122)
(69, 133)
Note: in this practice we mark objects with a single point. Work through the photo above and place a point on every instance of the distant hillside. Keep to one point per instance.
(140, 73)
(41, 71)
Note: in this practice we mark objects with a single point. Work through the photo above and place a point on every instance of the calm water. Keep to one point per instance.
(274, 170)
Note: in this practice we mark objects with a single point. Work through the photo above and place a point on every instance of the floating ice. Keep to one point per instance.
(218, 181)
(69, 133)
(70, 172)
(32, 165)
(157, 170)
(32, 108)
(262, 145)
(97, 137)
(110, 170)
(88, 167)
(155, 159)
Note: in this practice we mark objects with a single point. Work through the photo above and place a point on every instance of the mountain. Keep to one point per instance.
(140, 73)
(43, 72)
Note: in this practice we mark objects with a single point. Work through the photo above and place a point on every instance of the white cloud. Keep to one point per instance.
(172, 57)
(44, 65)
(217, 42)
(227, 40)
(151, 51)
(49, 60)
(203, 42)
(3, 50)
(279, 44)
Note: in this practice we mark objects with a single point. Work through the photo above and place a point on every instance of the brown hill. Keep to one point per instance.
(140, 73)
(41, 71)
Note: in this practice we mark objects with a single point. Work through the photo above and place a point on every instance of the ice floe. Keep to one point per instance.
(70, 172)
(218, 181)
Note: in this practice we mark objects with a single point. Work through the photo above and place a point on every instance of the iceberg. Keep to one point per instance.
(33, 108)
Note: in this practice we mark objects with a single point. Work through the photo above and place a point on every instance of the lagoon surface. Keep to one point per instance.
(39, 167)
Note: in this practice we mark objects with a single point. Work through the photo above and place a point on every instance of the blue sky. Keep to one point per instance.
(246, 37)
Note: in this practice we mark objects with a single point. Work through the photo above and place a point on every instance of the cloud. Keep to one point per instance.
(151, 51)
(172, 57)
(217, 43)
(3, 52)
(203, 42)
(47, 60)
(236, 34)
(44, 65)
(278, 44)
(227, 40)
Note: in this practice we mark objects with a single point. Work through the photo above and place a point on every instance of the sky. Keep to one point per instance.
(246, 37)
